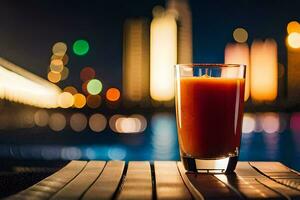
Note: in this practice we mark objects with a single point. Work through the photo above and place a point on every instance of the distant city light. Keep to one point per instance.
(84, 87)
(136, 69)
(94, 86)
(81, 47)
(113, 94)
(78, 122)
(56, 65)
(240, 35)
(264, 70)
(295, 123)
(238, 54)
(65, 59)
(163, 56)
(97, 122)
(57, 121)
(293, 40)
(87, 73)
(116, 153)
(71, 90)
(19, 85)
(70, 153)
(41, 118)
(93, 101)
(270, 122)
(59, 49)
(112, 122)
(128, 125)
(293, 26)
(65, 100)
(79, 100)
(142, 120)
(248, 123)
(64, 73)
(54, 77)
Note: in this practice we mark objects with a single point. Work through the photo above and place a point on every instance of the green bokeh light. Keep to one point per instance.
(94, 86)
(81, 47)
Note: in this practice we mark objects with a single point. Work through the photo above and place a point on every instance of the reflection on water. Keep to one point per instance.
(164, 137)
(266, 136)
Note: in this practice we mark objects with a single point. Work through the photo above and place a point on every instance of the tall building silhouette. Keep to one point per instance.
(293, 76)
(136, 60)
(184, 24)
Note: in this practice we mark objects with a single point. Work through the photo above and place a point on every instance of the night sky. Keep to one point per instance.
(30, 28)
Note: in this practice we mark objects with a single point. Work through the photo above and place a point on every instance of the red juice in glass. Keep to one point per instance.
(209, 118)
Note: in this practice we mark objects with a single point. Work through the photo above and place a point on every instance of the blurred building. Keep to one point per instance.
(136, 60)
(293, 74)
(163, 54)
(185, 32)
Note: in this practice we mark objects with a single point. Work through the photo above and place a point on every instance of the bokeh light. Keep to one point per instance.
(133, 124)
(65, 59)
(87, 73)
(117, 153)
(65, 100)
(93, 101)
(248, 123)
(79, 100)
(128, 125)
(54, 77)
(293, 40)
(293, 26)
(270, 122)
(71, 90)
(94, 87)
(142, 120)
(97, 122)
(295, 123)
(78, 122)
(64, 73)
(56, 65)
(70, 153)
(41, 118)
(258, 122)
(113, 94)
(57, 121)
(112, 122)
(84, 87)
(59, 49)
(81, 47)
(240, 35)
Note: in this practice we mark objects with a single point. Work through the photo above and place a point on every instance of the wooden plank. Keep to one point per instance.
(279, 173)
(52, 184)
(169, 184)
(107, 183)
(206, 186)
(137, 183)
(246, 183)
(76, 188)
(288, 192)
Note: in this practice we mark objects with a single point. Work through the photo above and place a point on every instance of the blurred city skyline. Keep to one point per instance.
(31, 29)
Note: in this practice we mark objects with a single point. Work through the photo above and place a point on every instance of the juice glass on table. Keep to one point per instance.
(209, 111)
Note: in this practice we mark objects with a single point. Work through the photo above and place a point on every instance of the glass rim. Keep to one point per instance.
(206, 65)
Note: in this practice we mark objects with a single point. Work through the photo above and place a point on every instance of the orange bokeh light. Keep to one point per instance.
(54, 77)
(113, 94)
(93, 101)
(84, 87)
(70, 89)
(79, 100)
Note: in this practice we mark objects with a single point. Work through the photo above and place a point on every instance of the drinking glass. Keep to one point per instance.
(209, 111)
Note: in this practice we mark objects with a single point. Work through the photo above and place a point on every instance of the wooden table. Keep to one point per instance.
(164, 180)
